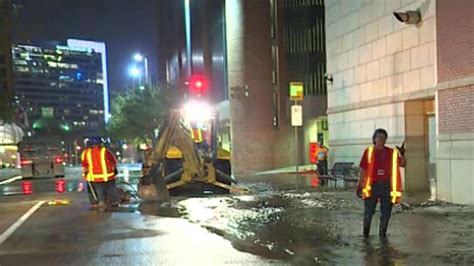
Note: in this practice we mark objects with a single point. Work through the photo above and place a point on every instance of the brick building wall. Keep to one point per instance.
(455, 100)
(455, 35)
(456, 110)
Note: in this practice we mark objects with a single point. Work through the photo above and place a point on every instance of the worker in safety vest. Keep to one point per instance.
(380, 180)
(99, 168)
(322, 156)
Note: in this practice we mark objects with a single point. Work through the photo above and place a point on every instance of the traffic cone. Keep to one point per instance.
(314, 180)
(27, 187)
(60, 185)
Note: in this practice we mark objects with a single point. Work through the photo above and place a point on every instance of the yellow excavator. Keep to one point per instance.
(186, 158)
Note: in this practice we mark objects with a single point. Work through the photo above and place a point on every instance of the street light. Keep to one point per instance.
(136, 73)
(140, 58)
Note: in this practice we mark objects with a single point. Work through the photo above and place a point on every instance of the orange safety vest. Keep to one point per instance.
(196, 134)
(98, 168)
(395, 179)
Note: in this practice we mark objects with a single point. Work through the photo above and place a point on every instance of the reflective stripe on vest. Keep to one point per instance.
(366, 191)
(104, 175)
(196, 134)
(395, 180)
(394, 193)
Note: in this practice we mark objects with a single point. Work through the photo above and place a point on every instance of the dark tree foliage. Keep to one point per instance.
(137, 113)
(6, 107)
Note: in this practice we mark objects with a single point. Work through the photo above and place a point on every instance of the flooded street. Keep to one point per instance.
(308, 226)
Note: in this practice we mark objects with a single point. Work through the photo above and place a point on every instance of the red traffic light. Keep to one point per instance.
(58, 159)
(198, 85)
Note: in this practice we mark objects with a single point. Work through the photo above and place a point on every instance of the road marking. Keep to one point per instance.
(19, 222)
(10, 180)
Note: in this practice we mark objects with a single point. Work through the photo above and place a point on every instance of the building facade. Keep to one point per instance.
(303, 58)
(194, 45)
(61, 82)
(250, 51)
(415, 80)
(270, 44)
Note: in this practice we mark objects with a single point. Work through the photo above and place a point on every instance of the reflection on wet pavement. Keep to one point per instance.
(308, 226)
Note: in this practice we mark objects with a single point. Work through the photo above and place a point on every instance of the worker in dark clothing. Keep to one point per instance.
(380, 180)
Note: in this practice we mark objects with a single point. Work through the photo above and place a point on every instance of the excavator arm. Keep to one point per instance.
(195, 166)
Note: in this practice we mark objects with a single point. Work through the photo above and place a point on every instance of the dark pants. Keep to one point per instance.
(380, 191)
(105, 192)
(323, 167)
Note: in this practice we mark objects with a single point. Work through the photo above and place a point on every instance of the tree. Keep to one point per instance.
(137, 113)
(6, 107)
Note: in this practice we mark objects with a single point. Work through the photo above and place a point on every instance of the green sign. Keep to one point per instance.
(47, 111)
(296, 91)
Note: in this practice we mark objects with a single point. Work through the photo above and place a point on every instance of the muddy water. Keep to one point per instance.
(299, 224)
(309, 226)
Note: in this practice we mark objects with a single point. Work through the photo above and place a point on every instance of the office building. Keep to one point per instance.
(61, 82)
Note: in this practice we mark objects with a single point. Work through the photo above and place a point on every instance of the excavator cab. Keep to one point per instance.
(186, 157)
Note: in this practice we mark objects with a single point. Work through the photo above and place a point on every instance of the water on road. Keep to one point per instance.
(308, 226)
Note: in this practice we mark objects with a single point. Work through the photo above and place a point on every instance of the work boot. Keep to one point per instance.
(383, 228)
(366, 229)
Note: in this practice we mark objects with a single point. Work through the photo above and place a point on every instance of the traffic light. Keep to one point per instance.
(198, 85)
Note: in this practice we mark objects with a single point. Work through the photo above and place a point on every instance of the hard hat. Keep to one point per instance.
(95, 140)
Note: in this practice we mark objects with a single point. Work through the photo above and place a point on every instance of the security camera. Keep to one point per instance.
(328, 77)
(408, 17)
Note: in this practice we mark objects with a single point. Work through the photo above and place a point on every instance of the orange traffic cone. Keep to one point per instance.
(27, 187)
(60, 185)
(314, 180)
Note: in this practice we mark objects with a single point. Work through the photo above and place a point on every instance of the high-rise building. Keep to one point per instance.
(98, 47)
(61, 82)
(194, 45)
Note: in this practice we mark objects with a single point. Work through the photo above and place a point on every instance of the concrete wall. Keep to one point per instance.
(388, 74)
(378, 65)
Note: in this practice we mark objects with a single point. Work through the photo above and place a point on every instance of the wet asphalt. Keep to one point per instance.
(323, 226)
(294, 223)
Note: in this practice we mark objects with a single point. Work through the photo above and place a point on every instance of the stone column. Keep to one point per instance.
(250, 84)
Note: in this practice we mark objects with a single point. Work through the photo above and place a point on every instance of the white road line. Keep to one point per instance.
(20, 221)
(8, 181)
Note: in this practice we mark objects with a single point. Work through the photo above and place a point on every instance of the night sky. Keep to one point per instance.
(125, 26)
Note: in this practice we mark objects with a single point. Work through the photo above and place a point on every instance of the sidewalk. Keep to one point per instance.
(302, 169)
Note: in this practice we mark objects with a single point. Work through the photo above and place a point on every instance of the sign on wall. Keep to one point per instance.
(296, 115)
(296, 91)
